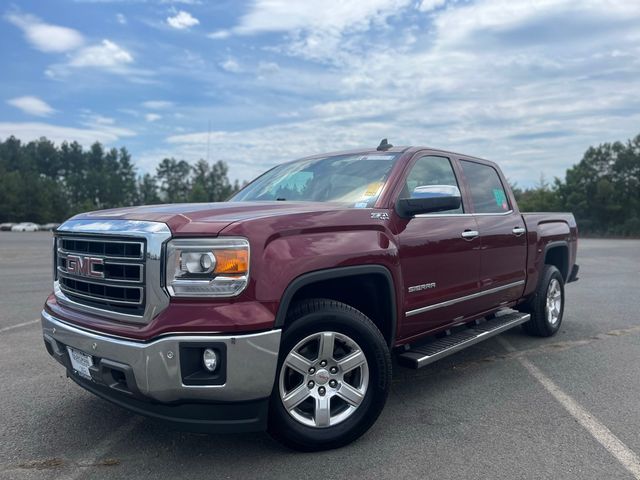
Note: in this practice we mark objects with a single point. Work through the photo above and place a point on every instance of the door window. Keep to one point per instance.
(487, 192)
(429, 171)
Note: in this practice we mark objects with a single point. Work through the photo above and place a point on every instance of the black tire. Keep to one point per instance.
(321, 315)
(540, 324)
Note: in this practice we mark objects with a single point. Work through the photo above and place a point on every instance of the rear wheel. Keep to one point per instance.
(547, 305)
(333, 377)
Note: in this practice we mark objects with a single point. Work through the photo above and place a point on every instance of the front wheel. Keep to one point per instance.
(333, 379)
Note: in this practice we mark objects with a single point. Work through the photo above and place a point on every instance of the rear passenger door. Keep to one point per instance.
(502, 236)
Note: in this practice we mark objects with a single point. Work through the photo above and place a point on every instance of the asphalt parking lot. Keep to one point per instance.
(511, 407)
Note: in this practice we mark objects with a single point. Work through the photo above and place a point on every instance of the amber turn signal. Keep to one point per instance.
(232, 261)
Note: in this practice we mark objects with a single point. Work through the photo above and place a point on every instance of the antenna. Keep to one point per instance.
(384, 145)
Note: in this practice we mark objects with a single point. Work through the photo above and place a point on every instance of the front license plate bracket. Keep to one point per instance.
(80, 362)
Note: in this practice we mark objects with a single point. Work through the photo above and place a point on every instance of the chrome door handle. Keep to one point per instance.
(517, 231)
(470, 234)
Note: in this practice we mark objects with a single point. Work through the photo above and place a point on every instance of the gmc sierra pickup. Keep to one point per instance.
(280, 309)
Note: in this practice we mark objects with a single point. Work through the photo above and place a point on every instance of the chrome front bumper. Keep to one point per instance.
(154, 367)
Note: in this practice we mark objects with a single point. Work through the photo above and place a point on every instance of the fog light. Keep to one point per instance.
(210, 359)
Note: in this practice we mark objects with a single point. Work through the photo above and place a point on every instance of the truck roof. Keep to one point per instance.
(408, 149)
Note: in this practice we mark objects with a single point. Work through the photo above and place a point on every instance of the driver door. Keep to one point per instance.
(439, 253)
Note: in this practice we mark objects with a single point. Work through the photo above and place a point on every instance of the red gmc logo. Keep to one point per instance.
(84, 266)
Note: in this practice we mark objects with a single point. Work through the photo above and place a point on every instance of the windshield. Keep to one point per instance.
(354, 179)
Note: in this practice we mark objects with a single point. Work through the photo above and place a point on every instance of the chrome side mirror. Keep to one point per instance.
(429, 199)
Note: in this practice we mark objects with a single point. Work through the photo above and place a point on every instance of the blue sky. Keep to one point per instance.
(529, 84)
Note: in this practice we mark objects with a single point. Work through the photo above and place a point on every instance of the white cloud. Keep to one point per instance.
(121, 19)
(330, 15)
(316, 30)
(106, 54)
(503, 16)
(184, 2)
(429, 5)
(59, 134)
(152, 117)
(338, 111)
(32, 105)
(129, 111)
(157, 104)
(92, 119)
(102, 120)
(44, 36)
(268, 67)
(219, 34)
(182, 20)
(230, 65)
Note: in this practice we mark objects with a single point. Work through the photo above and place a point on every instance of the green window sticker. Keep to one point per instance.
(501, 198)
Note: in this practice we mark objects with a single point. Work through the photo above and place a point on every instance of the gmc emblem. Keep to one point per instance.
(84, 266)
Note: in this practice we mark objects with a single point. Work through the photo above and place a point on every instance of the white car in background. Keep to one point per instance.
(25, 227)
(49, 227)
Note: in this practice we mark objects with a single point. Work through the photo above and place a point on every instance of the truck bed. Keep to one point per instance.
(544, 231)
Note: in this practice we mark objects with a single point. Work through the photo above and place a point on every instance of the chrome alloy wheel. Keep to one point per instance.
(554, 302)
(324, 379)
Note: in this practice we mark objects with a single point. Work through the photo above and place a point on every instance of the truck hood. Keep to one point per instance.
(207, 218)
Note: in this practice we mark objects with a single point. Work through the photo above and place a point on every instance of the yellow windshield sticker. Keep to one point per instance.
(372, 189)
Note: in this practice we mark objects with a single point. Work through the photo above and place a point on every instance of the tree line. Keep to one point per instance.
(602, 191)
(42, 182)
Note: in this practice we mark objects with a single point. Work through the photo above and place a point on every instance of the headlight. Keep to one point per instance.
(207, 267)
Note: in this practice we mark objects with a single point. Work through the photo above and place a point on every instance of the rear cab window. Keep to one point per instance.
(485, 187)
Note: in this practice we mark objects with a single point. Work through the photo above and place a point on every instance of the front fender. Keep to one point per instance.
(289, 257)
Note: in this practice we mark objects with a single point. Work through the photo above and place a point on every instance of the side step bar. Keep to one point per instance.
(424, 354)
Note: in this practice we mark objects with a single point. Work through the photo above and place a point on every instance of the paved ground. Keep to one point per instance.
(511, 407)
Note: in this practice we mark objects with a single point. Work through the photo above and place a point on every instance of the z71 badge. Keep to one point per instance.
(380, 215)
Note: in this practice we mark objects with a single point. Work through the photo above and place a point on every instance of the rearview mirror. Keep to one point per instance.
(429, 199)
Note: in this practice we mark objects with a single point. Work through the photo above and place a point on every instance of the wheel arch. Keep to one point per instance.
(349, 285)
(557, 254)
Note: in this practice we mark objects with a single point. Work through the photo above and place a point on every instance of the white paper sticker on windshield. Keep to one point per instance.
(377, 157)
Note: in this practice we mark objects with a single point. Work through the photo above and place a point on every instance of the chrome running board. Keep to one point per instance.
(423, 354)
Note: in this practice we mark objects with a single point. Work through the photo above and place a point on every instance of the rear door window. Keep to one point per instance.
(487, 192)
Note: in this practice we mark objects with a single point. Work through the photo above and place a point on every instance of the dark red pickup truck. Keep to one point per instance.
(281, 308)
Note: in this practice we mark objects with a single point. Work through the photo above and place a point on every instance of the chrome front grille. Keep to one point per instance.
(113, 249)
(101, 293)
(112, 268)
(106, 273)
